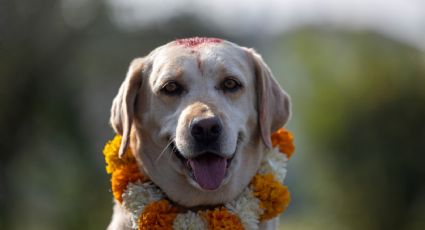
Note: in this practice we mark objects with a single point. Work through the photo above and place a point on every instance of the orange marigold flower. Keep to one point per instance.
(122, 176)
(284, 139)
(110, 151)
(220, 218)
(274, 197)
(157, 216)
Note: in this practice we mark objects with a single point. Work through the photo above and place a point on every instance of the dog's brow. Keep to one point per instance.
(177, 74)
(229, 71)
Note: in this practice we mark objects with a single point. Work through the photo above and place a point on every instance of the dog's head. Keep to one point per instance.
(198, 113)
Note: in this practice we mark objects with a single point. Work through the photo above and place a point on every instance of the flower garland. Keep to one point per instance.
(149, 208)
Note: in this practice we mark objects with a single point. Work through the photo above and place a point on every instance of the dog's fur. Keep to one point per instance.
(150, 120)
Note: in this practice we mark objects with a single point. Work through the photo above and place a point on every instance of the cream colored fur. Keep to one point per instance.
(149, 120)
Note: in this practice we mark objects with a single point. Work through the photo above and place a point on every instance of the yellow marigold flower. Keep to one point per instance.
(222, 219)
(113, 162)
(157, 216)
(122, 176)
(274, 197)
(284, 139)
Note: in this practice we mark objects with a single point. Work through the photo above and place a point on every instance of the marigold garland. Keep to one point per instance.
(284, 139)
(113, 161)
(221, 218)
(122, 176)
(274, 196)
(264, 199)
(124, 170)
(158, 215)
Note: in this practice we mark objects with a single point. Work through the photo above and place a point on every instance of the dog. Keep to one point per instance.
(198, 114)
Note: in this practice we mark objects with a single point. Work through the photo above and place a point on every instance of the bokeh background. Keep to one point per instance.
(355, 71)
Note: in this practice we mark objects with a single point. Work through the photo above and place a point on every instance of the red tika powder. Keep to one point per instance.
(196, 41)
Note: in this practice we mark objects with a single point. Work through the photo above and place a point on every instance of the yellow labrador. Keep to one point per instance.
(198, 113)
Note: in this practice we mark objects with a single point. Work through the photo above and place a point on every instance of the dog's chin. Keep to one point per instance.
(208, 172)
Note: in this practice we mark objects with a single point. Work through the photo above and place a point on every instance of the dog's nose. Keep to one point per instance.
(205, 130)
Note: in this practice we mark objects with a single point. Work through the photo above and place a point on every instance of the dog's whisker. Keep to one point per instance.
(169, 156)
(174, 148)
(164, 150)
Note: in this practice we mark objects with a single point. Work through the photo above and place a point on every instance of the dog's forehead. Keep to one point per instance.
(204, 53)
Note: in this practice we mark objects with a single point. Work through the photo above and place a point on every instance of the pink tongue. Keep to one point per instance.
(209, 170)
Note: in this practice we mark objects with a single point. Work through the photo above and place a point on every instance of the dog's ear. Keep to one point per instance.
(122, 110)
(273, 103)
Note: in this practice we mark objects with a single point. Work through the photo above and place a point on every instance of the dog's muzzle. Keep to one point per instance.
(206, 133)
(206, 165)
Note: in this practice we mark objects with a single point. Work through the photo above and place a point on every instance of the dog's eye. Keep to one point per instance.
(172, 88)
(230, 85)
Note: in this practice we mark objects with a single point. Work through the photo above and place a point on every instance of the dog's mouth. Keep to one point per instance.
(208, 170)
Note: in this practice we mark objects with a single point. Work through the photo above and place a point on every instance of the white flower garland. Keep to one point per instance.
(246, 206)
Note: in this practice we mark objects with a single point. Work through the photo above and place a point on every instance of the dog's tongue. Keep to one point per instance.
(209, 170)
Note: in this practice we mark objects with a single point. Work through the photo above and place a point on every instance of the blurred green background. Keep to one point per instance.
(358, 111)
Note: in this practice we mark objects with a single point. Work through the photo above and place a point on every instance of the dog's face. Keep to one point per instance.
(199, 113)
